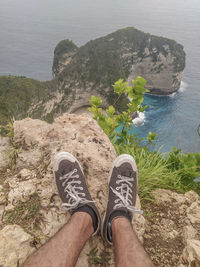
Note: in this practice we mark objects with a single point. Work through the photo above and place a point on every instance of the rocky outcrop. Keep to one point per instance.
(127, 53)
(63, 55)
(5, 148)
(172, 235)
(30, 208)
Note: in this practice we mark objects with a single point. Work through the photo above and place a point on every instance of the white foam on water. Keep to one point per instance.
(183, 87)
(173, 95)
(140, 120)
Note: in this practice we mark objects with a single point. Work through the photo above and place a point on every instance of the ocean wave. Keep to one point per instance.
(140, 120)
(183, 87)
(172, 95)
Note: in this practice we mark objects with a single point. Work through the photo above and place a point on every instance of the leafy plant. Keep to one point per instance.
(187, 166)
(110, 121)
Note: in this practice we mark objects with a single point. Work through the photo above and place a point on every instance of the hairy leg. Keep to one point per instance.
(63, 249)
(128, 250)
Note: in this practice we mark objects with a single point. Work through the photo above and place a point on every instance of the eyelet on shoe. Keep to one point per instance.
(75, 170)
(118, 176)
(117, 188)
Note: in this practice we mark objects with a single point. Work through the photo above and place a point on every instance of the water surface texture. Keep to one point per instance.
(30, 30)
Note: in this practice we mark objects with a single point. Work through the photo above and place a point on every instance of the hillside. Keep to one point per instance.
(91, 70)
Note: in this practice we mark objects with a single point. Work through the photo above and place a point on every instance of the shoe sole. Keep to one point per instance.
(117, 162)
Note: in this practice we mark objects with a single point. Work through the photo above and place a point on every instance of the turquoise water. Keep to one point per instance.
(31, 29)
(173, 118)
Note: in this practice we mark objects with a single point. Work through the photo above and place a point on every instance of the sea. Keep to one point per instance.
(30, 30)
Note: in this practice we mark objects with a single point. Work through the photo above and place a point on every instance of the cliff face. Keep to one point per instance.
(91, 70)
(126, 53)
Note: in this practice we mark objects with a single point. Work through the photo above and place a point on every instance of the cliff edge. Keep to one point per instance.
(30, 208)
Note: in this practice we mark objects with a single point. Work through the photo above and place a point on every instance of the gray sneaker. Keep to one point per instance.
(72, 186)
(122, 193)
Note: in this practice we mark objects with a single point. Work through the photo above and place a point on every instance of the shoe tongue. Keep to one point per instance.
(126, 170)
(66, 167)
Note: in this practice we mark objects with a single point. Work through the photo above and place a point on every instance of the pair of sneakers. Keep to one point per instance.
(75, 196)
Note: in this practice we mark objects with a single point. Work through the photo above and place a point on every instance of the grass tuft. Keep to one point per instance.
(155, 170)
(26, 214)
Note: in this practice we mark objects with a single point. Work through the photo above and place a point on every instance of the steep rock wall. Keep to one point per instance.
(126, 53)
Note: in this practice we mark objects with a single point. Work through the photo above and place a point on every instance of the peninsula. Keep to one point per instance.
(92, 69)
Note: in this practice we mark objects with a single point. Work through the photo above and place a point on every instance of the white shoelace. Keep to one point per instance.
(72, 190)
(124, 194)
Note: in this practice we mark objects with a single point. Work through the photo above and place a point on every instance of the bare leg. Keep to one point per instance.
(64, 248)
(128, 250)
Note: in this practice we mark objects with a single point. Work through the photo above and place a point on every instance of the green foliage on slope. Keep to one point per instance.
(63, 47)
(102, 61)
(175, 170)
(17, 94)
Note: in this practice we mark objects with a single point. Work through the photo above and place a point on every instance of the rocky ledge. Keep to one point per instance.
(30, 208)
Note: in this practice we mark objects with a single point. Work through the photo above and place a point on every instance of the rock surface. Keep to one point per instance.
(30, 208)
(4, 152)
(29, 201)
(15, 246)
(172, 235)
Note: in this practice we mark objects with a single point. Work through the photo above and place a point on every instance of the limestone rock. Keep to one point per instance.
(193, 212)
(173, 231)
(15, 246)
(191, 253)
(33, 176)
(4, 150)
(189, 232)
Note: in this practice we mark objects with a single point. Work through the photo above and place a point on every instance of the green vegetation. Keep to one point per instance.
(94, 66)
(26, 214)
(175, 170)
(63, 47)
(18, 94)
(161, 43)
(102, 61)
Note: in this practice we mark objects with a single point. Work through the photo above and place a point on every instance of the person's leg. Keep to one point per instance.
(64, 248)
(116, 227)
(128, 249)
